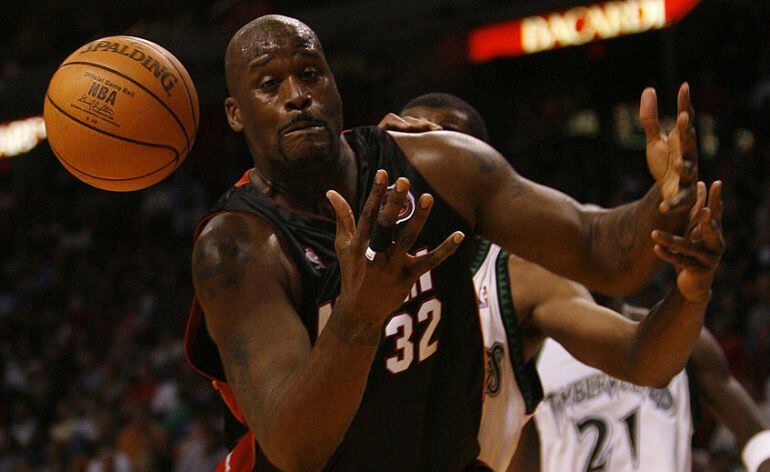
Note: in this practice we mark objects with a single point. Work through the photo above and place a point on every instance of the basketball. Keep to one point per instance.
(121, 113)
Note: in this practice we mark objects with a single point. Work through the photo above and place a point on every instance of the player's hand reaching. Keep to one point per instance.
(407, 124)
(696, 255)
(672, 158)
(372, 289)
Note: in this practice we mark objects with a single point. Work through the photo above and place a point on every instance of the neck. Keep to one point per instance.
(308, 192)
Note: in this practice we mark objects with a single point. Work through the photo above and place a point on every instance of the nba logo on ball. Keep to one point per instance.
(121, 113)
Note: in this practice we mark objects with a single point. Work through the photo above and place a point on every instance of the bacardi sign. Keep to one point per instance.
(573, 27)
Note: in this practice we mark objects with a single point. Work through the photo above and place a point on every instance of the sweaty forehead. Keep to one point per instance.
(271, 37)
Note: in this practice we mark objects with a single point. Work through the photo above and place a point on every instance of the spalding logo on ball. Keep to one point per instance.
(121, 113)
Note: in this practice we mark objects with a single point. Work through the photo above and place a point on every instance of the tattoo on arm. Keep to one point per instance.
(518, 188)
(625, 229)
(236, 353)
(620, 227)
(487, 163)
(220, 265)
(615, 229)
(487, 159)
(235, 358)
(353, 332)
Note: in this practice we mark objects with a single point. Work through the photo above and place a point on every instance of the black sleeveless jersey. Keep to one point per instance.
(422, 405)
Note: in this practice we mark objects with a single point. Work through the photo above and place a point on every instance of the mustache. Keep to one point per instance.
(307, 117)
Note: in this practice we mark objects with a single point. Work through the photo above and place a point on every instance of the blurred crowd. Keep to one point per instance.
(95, 286)
(92, 306)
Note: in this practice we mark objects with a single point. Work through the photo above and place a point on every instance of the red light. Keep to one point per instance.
(503, 39)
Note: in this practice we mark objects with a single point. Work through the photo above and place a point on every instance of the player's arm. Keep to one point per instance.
(527, 456)
(648, 353)
(297, 399)
(300, 399)
(652, 351)
(724, 395)
(609, 251)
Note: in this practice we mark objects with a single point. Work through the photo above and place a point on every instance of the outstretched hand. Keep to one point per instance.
(375, 288)
(672, 158)
(696, 255)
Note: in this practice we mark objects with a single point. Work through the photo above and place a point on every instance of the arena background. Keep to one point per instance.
(95, 286)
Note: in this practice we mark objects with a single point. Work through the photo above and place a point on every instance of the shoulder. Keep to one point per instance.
(233, 238)
(237, 247)
(233, 228)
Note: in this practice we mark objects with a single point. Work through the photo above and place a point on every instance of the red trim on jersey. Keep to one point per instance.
(196, 312)
(242, 457)
(193, 322)
(229, 398)
(244, 178)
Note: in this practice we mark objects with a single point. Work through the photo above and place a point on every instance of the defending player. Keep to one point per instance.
(521, 303)
(590, 421)
(338, 361)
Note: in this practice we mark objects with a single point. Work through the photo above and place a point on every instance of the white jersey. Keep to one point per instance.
(589, 421)
(512, 387)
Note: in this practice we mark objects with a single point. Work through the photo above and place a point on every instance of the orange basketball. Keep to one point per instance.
(121, 113)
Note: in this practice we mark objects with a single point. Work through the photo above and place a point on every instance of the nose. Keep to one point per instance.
(297, 96)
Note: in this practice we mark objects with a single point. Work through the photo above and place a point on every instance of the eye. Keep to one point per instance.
(269, 83)
(309, 73)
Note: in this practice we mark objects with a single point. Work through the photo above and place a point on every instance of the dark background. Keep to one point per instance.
(95, 286)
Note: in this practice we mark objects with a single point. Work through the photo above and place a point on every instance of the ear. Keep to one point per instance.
(233, 114)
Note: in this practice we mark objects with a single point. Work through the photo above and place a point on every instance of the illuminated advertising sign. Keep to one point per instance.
(573, 27)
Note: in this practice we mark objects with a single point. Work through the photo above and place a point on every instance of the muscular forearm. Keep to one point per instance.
(620, 243)
(665, 339)
(305, 417)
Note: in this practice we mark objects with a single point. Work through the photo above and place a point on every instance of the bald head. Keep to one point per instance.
(262, 36)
